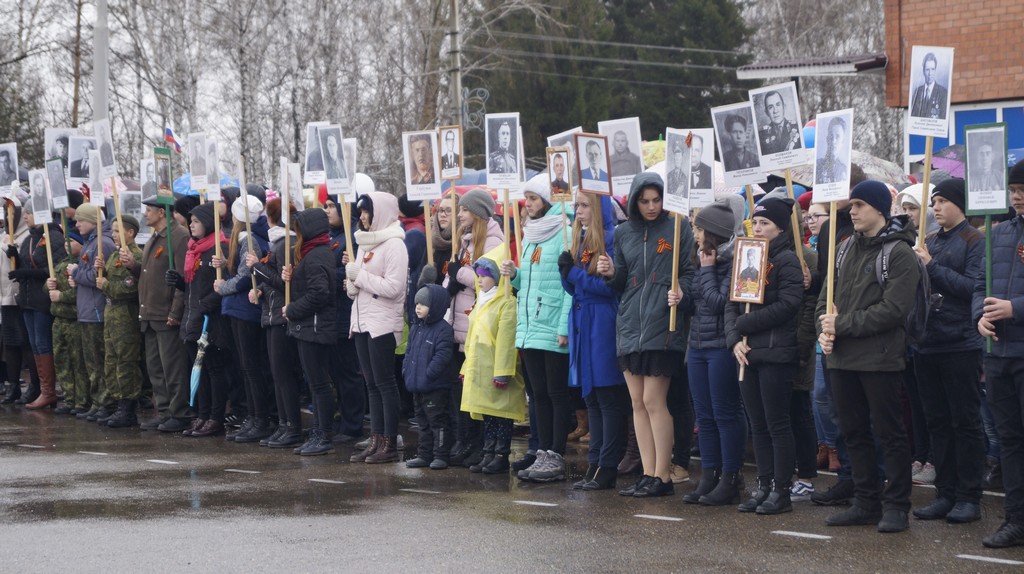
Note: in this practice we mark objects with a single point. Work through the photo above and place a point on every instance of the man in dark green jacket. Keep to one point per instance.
(864, 340)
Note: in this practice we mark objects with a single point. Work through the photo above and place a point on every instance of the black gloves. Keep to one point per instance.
(453, 282)
(12, 251)
(174, 279)
(565, 264)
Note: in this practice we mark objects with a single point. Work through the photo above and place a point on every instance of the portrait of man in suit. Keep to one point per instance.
(930, 98)
(450, 159)
(594, 156)
(148, 179)
(700, 172)
(624, 161)
(80, 166)
(330, 146)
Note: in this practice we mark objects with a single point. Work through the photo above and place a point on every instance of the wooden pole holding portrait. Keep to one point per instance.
(505, 217)
(117, 216)
(49, 249)
(798, 242)
(922, 224)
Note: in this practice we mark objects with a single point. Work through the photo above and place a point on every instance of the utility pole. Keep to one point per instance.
(78, 62)
(455, 66)
(100, 70)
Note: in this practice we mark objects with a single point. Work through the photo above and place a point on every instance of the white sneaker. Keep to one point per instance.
(925, 476)
(542, 457)
(553, 469)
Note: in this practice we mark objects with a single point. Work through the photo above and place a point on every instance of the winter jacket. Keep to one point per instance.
(707, 305)
(844, 229)
(643, 276)
(65, 308)
(592, 317)
(157, 300)
(378, 290)
(201, 299)
(416, 247)
(429, 364)
(8, 286)
(32, 269)
(234, 291)
(311, 314)
(1007, 284)
(543, 311)
(870, 326)
(462, 305)
(91, 301)
(342, 303)
(770, 327)
(268, 279)
(958, 256)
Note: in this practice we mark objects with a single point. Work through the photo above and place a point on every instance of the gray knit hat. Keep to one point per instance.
(716, 218)
(478, 202)
(423, 296)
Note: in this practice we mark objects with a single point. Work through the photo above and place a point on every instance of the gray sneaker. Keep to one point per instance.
(542, 457)
(554, 469)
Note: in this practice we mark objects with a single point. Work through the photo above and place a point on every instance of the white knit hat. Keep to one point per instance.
(539, 185)
(255, 208)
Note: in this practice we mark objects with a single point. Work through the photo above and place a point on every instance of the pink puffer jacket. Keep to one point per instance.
(466, 299)
(379, 287)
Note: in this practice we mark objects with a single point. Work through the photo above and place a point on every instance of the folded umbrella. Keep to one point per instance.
(197, 367)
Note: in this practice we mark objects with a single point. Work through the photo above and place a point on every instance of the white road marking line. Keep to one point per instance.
(240, 471)
(158, 461)
(418, 491)
(992, 560)
(656, 517)
(94, 453)
(326, 481)
(533, 503)
(30, 446)
(802, 535)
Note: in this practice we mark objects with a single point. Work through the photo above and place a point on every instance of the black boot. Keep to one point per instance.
(246, 427)
(487, 453)
(260, 429)
(727, 492)
(30, 395)
(709, 479)
(777, 502)
(281, 429)
(125, 415)
(759, 495)
(290, 437)
(499, 462)
(104, 414)
(587, 477)
(13, 393)
(604, 479)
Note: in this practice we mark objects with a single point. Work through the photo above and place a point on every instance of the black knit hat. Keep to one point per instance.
(776, 210)
(952, 190)
(874, 193)
(1017, 173)
(204, 213)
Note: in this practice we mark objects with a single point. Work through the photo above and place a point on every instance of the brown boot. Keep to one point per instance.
(582, 426)
(47, 383)
(375, 442)
(833, 460)
(387, 452)
(822, 457)
(631, 459)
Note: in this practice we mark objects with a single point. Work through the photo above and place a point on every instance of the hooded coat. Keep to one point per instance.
(710, 296)
(33, 271)
(201, 299)
(429, 364)
(9, 287)
(464, 300)
(311, 314)
(643, 276)
(958, 256)
(592, 317)
(378, 290)
(543, 312)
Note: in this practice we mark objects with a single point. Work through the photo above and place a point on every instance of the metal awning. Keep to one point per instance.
(803, 67)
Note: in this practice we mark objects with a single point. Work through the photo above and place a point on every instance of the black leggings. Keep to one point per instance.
(282, 350)
(377, 361)
(349, 384)
(549, 382)
(315, 365)
(212, 395)
(249, 344)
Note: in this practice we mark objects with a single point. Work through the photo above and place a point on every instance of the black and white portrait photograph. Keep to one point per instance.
(197, 160)
(57, 143)
(147, 178)
(96, 180)
(332, 153)
(833, 137)
(106, 146)
(702, 157)
(677, 171)
(212, 164)
(314, 172)
(8, 164)
(40, 196)
(567, 139)
(558, 174)
(57, 184)
(164, 184)
(625, 156)
(294, 175)
(422, 164)
(593, 162)
(779, 128)
(987, 188)
(79, 155)
(931, 78)
(350, 146)
(131, 204)
(734, 130)
(748, 270)
(502, 147)
(451, 152)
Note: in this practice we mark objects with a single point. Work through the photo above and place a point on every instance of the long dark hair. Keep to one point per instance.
(710, 243)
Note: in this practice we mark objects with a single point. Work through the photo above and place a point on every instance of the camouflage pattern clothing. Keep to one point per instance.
(67, 343)
(122, 375)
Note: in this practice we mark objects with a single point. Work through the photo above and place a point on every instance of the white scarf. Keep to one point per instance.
(485, 296)
(537, 231)
(367, 240)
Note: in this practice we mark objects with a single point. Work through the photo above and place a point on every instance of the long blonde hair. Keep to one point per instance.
(593, 242)
(478, 241)
(236, 229)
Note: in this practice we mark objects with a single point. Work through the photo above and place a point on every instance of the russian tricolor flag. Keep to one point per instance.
(171, 139)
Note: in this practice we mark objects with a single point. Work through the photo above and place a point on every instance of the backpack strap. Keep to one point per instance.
(844, 246)
(882, 263)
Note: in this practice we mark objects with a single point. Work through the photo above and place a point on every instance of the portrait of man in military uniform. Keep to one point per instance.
(503, 158)
(781, 133)
(830, 167)
(985, 167)
(735, 132)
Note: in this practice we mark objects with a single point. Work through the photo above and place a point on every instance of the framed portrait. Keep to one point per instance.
(422, 165)
(147, 178)
(350, 146)
(625, 158)
(780, 140)
(931, 84)
(78, 170)
(108, 168)
(567, 139)
(8, 164)
(314, 159)
(833, 136)
(164, 183)
(40, 195)
(677, 170)
(333, 155)
(558, 173)
(131, 204)
(702, 160)
(212, 186)
(987, 183)
(501, 136)
(749, 270)
(57, 143)
(96, 181)
(291, 188)
(197, 161)
(592, 163)
(734, 130)
(451, 152)
(58, 186)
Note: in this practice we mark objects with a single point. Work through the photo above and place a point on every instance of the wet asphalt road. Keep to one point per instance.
(93, 499)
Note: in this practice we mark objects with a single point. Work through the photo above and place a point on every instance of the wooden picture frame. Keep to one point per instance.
(749, 270)
(559, 176)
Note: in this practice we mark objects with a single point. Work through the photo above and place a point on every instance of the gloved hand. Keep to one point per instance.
(174, 279)
(352, 272)
(12, 251)
(565, 264)
(500, 382)
(18, 274)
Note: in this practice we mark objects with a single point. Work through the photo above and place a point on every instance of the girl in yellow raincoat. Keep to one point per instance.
(493, 387)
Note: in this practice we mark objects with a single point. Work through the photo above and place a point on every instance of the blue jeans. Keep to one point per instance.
(716, 401)
(39, 325)
(823, 424)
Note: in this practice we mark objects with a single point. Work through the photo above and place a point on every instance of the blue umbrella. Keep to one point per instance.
(183, 185)
(197, 367)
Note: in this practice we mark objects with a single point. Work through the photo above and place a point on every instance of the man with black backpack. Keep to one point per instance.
(864, 340)
(948, 363)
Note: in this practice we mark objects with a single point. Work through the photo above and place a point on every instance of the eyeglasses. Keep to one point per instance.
(814, 216)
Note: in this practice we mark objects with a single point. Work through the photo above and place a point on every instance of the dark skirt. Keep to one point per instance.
(12, 328)
(652, 363)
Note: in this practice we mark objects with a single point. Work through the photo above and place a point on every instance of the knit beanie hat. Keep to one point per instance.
(238, 210)
(204, 213)
(185, 204)
(953, 191)
(75, 198)
(775, 209)
(912, 194)
(88, 213)
(539, 185)
(423, 296)
(487, 268)
(1017, 173)
(479, 202)
(875, 194)
(409, 208)
(716, 218)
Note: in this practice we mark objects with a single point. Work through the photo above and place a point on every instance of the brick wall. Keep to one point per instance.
(988, 36)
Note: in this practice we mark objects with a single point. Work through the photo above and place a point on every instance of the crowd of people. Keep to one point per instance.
(886, 388)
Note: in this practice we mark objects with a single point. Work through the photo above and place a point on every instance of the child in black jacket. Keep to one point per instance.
(428, 374)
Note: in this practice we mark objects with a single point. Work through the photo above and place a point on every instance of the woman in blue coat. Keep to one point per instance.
(592, 365)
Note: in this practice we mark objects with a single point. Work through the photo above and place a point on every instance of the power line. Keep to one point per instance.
(541, 37)
(616, 61)
(600, 79)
